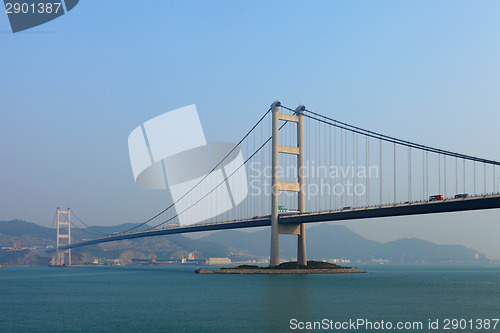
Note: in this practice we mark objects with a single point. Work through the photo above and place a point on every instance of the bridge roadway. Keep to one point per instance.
(414, 208)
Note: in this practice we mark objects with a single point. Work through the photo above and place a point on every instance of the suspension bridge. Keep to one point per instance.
(305, 167)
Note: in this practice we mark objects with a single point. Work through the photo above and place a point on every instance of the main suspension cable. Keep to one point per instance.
(201, 180)
(386, 138)
(222, 182)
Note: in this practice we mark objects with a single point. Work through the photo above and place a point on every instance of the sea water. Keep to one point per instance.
(175, 299)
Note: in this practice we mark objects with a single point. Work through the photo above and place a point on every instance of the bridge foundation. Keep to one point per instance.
(277, 185)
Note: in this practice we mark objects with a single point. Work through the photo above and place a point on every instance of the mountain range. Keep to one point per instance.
(324, 241)
(335, 241)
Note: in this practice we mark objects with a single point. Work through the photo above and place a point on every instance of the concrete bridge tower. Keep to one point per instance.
(277, 185)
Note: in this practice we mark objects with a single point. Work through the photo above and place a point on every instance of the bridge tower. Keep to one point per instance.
(277, 185)
(63, 238)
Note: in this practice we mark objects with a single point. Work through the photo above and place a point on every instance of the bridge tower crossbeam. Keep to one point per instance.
(277, 185)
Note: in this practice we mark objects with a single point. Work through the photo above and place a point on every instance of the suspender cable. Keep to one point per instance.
(327, 148)
(439, 172)
(264, 162)
(341, 167)
(308, 158)
(332, 194)
(395, 200)
(247, 204)
(323, 145)
(380, 171)
(335, 162)
(475, 178)
(426, 175)
(254, 199)
(316, 160)
(423, 176)
(484, 174)
(444, 162)
(345, 166)
(356, 172)
(494, 189)
(353, 172)
(409, 174)
(463, 170)
(367, 172)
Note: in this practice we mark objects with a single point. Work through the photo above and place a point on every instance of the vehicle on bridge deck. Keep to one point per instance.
(438, 197)
(290, 212)
(461, 196)
(282, 210)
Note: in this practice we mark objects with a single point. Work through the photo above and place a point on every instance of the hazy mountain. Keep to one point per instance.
(409, 250)
(324, 241)
(333, 241)
(18, 228)
(35, 236)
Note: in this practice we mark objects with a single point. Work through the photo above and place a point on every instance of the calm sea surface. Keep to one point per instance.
(175, 299)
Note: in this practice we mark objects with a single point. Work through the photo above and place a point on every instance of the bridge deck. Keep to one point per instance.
(415, 208)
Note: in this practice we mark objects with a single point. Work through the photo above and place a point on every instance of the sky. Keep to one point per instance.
(72, 90)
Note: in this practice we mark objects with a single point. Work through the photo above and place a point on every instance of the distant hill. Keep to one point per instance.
(32, 235)
(409, 250)
(17, 228)
(324, 241)
(333, 241)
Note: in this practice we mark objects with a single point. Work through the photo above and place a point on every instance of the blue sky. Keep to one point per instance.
(73, 89)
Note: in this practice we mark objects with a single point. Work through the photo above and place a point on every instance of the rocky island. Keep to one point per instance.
(313, 267)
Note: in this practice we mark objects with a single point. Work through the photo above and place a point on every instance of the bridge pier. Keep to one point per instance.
(301, 246)
(277, 185)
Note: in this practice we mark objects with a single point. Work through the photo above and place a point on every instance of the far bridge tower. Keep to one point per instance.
(63, 257)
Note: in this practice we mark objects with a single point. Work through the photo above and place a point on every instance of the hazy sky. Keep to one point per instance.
(73, 89)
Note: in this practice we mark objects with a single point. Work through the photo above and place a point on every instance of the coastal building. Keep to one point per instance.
(219, 261)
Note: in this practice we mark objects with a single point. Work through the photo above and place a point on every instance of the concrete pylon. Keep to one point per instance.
(301, 246)
(277, 185)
